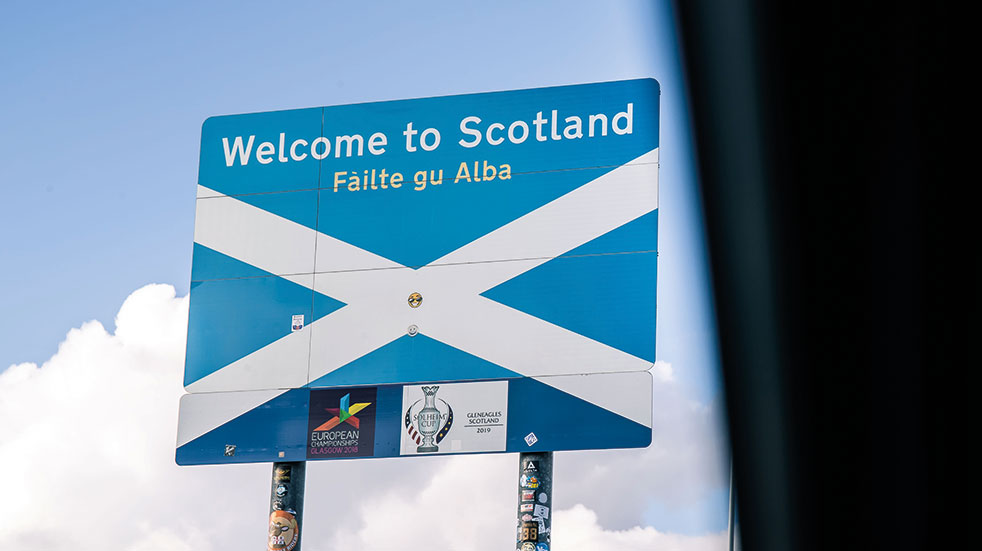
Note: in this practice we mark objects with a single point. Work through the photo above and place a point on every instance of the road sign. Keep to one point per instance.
(484, 237)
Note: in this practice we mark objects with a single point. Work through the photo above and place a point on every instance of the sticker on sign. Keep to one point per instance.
(455, 418)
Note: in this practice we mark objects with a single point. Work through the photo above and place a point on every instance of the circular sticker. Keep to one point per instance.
(543, 497)
(528, 546)
(283, 531)
(528, 481)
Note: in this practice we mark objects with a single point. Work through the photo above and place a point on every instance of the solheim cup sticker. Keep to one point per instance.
(341, 423)
(454, 418)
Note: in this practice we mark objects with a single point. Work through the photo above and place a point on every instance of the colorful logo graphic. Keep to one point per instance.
(529, 481)
(344, 414)
(415, 300)
(284, 532)
(282, 474)
(341, 423)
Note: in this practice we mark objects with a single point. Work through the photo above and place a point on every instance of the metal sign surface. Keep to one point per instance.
(466, 238)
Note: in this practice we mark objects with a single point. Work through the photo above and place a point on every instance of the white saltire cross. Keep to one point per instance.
(375, 290)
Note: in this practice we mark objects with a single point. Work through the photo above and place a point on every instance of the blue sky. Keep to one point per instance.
(101, 108)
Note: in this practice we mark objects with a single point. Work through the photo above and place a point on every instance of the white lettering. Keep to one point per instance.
(409, 133)
(511, 132)
(473, 132)
(603, 127)
(538, 122)
(429, 132)
(327, 148)
(293, 150)
(238, 149)
(377, 143)
(263, 152)
(624, 115)
(349, 140)
(494, 126)
(282, 150)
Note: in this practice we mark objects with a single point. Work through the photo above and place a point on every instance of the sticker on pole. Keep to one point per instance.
(284, 532)
(454, 418)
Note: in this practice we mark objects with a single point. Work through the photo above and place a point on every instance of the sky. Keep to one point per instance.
(101, 108)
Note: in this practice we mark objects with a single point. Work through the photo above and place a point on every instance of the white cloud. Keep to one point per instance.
(577, 528)
(467, 504)
(87, 447)
(662, 372)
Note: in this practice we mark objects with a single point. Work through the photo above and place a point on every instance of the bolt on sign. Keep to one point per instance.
(462, 274)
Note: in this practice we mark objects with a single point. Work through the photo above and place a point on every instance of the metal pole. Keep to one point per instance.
(286, 506)
(534, 501)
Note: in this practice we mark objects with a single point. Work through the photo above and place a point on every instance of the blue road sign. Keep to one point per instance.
(504, 236)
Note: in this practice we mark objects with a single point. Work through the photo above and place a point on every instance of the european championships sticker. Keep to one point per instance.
(341, 423)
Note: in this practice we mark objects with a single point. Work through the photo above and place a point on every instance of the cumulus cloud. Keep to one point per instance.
(466, 504)
(577, 528)
(87, 446)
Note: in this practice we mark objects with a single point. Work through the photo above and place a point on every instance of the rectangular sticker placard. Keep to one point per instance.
(454, 418)
(341, 423)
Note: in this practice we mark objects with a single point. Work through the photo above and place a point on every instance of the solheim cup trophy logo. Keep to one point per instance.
(429, 425)
(428, 420)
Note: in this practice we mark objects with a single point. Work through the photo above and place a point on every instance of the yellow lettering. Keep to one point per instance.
(434, 180)
(337, 179)
(462, 173)
(504, 172)
(493, 170)
(420, 180)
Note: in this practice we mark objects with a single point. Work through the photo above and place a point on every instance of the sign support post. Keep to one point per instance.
(286, 506)
(534, 501)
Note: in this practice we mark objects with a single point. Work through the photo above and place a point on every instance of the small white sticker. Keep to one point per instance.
(531, 439)
(541, 511)
(297, 322)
